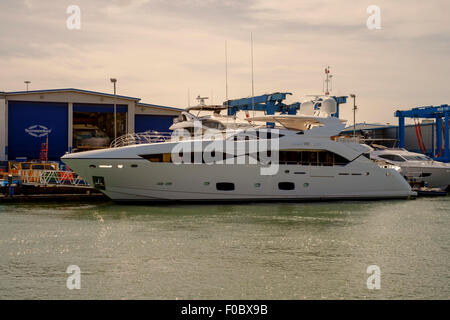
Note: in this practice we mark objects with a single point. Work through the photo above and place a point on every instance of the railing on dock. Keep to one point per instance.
(51, 177)
(61, 178)
(140, 138)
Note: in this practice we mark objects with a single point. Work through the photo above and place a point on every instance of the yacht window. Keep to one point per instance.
(286, 185)
(225, 186)
(392, 157)
(289, 157)
(311, 158)
(213, 124)
(417, 158)
(158, 157)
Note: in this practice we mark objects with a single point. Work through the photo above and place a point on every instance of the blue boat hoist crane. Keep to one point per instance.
(271, 103)
(441, 152)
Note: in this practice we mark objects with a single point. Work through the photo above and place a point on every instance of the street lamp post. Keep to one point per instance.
(354, 114)
(27, 82)
(114, 80)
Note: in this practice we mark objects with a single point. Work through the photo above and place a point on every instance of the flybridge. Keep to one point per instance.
(271, 103)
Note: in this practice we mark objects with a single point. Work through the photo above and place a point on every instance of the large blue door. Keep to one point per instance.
(29, 124)
(144, 123)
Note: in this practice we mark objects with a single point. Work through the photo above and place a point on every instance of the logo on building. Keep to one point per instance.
(38, 131)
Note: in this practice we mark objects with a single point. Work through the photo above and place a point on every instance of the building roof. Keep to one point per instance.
(72, 90)
(90, 92)
(141, 104)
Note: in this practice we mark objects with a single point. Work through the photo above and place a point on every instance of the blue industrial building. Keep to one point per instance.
(71, 120)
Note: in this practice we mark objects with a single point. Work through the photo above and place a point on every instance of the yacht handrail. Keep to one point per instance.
(140, 138)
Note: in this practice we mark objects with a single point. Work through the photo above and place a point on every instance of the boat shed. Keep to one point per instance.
(72, 120)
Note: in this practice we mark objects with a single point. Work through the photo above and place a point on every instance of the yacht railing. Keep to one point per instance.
(344, 139)
(140, 138)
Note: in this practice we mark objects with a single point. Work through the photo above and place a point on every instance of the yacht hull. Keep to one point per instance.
(141, 180)
(433, 176)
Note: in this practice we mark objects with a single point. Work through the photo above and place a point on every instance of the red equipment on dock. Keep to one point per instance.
(43, 155)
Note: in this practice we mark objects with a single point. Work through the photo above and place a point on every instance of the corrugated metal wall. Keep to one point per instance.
(411, 143)
(29, 123)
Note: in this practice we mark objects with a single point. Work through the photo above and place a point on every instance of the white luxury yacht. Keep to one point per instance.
(416, 167)
(297, 160)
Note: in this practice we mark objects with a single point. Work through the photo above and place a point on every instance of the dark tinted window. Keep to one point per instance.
(286, 185)
(312, 158)
(392, 157)
(225, 186)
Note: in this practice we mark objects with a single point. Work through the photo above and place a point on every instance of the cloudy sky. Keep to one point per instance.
(160, 49)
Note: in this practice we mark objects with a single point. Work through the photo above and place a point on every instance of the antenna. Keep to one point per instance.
(327, 81)
(226, 77)
(226, 72)
(189, 97)
(253, 87)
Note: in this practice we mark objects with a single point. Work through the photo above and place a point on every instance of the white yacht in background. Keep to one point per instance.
(416, 167)
(310, 165)
(214, 120)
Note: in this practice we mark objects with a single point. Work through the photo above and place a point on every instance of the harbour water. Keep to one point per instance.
(245, 251)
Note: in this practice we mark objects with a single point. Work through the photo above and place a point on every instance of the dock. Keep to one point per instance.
(50, 193)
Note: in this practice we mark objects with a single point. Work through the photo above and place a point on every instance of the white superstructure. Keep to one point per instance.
(306, 164)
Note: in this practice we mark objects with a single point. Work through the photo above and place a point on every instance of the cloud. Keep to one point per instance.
(161, 49)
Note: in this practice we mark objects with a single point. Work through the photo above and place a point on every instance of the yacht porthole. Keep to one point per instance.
(306, 184)
(206, 183)
(286, 171)
(257, 185)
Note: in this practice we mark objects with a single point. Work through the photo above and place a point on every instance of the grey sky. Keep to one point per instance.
(160, 49)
